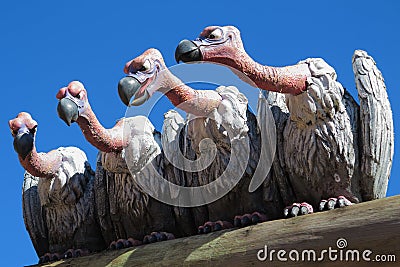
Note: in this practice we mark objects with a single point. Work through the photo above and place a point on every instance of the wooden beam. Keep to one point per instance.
(373, 226)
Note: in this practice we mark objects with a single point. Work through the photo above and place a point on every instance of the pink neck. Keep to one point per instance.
(288, 80)
(197, 102)
(44, 165)
(106, 140)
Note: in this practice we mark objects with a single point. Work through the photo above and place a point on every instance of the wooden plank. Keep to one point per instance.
(373, 225)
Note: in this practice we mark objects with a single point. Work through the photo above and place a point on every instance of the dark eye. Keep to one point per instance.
(146, 66)
(78, 96)
(215, 34)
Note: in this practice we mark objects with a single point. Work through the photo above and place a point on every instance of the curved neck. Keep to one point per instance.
(288, 80)
(197, 102)
(106, 140)
(44, 165)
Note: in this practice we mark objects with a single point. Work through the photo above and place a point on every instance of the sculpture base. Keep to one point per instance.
(369, 226)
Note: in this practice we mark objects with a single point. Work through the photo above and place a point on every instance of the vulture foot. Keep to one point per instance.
(74, 253)
(124, 243)
(333, 203)
(297, 209)
(249, 219)
(209, 227)
(157, 237)
(48, 257)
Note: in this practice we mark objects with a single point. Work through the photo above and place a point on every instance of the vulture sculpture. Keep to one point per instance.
(331, 152)
(58, 196)
(220, 115)
(128, 216)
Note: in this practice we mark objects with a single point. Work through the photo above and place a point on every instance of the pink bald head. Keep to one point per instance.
(23, 119)
(75, 88)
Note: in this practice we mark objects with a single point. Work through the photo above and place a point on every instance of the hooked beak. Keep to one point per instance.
(23, 143)
(187, 51)
(68, 111)
(129, 87)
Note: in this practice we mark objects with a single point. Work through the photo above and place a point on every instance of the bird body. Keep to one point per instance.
(58, 206)
(219, 127)
(129, 154)
(132, 211)
(327, 145)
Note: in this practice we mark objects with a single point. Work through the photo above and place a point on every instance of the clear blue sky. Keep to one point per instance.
(46, 44)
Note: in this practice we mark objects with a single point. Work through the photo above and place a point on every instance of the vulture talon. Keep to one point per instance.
(209, 227)
(69, 254)
(257, 217)
(200, 230)
(298, 209)
(322, 205)
(119, 244)
(74, 253)
(237, 222)
(295, 211)
(333, 203)
(45, 258)
(157, 237)
(124, 243)
(246, 220)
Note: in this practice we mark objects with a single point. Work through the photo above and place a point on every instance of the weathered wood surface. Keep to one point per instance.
(373, 225)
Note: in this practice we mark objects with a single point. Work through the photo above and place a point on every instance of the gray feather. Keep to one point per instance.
(377, 137)
(34, 218)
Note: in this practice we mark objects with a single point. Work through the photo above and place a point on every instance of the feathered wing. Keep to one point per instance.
(353, 111)
(175, 144)
(376, 127)
(34, 218)
(278, 175)
(101, 184)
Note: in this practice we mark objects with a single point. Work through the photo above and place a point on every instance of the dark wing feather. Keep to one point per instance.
(101, 186)
(278, 174)
(34, 216)
(376, 127)
(353, 111)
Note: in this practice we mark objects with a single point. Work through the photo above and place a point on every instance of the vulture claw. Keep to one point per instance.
(249, 219)
(333, 203)
(209, 227)
(74, 253)
(124, 243)
(157, 237)
(49, 257)
(297, 209)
